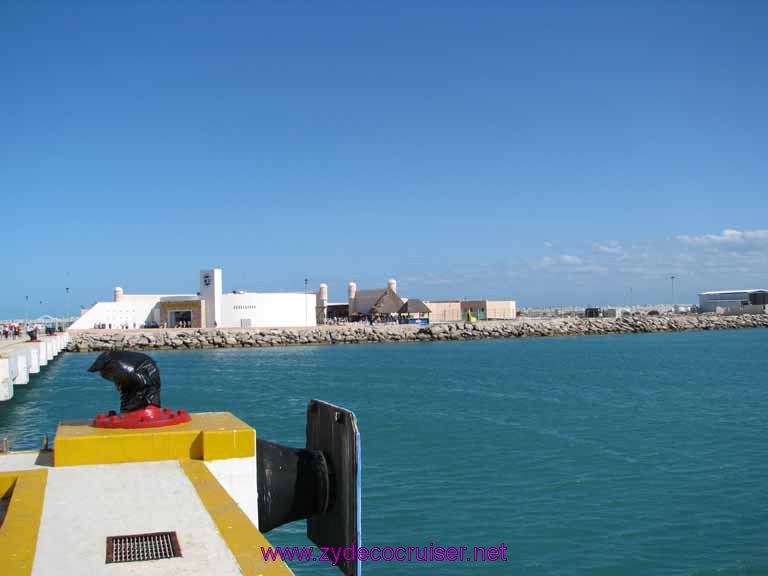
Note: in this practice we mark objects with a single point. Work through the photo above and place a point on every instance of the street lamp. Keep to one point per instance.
(672, 278)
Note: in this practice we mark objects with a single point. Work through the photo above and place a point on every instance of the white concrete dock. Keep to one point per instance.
(99, 483)
(136, 498)
(21, 358)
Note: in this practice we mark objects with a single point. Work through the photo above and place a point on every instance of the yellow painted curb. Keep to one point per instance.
(18, 533)
(241, 536)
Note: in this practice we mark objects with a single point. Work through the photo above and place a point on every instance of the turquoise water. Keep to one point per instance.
(640, 454)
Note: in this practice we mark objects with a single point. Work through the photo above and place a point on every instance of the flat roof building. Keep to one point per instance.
(211, 307)
(489, 309)
(733, 301)
(444, 310)
(471, 310)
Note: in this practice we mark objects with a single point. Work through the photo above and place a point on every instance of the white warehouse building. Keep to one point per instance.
(734, 301)
(210, 307)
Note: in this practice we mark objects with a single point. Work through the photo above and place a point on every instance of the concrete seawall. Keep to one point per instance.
(20, 359)
(100, 340)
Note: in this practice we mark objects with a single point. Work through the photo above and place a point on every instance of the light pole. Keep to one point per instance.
(672, 278)
(26, 311)
(66, 306)
(306, 311)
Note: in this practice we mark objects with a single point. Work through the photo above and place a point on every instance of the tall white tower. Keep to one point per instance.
(392, 285)
(322, 304)
(118, 293)
(351, 292)
(210, 291)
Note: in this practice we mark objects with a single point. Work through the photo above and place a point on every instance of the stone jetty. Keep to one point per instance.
(180, 339)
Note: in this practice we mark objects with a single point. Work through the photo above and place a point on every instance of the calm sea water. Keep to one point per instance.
(641, 454)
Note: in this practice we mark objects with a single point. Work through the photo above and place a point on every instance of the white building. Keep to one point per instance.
(210, 307)
(733, 301)
(259, 310)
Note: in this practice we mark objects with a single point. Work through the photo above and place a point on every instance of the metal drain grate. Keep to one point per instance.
(141, 547)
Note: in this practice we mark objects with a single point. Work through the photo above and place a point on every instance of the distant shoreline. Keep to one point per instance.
(200, 338)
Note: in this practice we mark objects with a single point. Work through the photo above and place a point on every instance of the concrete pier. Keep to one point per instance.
(20, 358)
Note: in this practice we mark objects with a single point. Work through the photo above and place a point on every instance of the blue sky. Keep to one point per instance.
(555, 153)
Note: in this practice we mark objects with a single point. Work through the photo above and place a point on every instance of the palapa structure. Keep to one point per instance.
(414, 308)
(378, 303)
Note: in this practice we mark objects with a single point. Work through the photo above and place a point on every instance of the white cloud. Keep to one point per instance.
(732, 258)
(610, 247)
(543, 262)
(565, 263)
(727, 237)
(589, 269)
(431, 279)
(572, 260)
(548, 244)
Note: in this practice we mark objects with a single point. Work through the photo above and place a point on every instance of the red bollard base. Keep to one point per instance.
(149, 417)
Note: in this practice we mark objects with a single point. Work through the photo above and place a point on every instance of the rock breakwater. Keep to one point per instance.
(165, 339)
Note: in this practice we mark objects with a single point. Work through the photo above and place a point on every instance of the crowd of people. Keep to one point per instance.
(11, 331)
(370, 320)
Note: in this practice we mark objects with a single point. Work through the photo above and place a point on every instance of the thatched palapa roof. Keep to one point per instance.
(388, 303)
(414, 306)
(365, 300)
